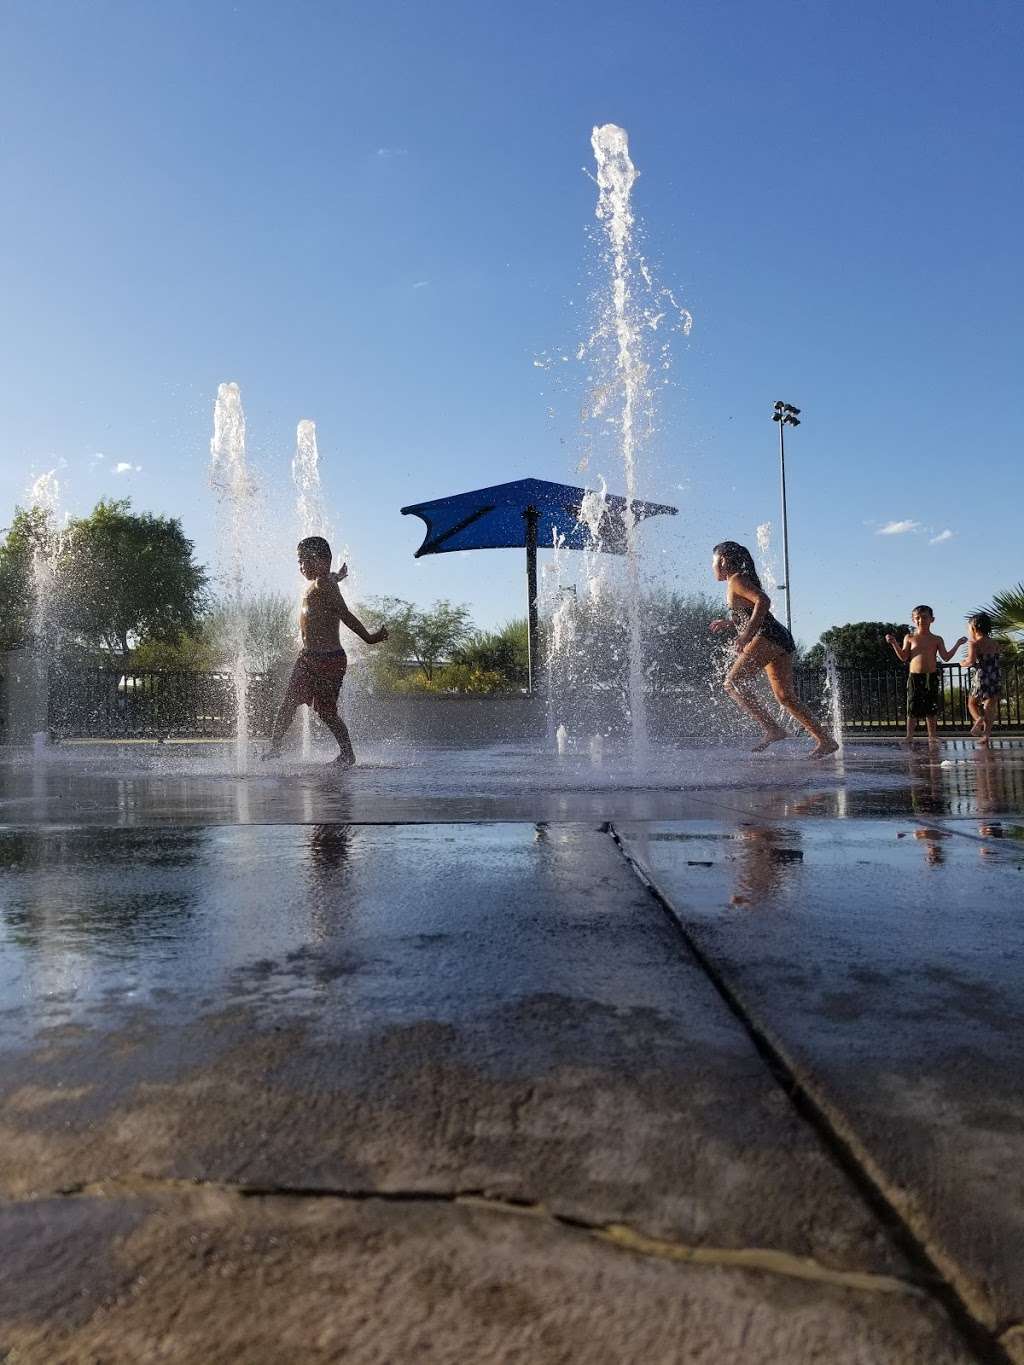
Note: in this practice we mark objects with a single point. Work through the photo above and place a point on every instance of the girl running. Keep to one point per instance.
(761, 643)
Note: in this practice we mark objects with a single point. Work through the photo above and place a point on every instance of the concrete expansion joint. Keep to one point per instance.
(617, 1236)
(965, 1305)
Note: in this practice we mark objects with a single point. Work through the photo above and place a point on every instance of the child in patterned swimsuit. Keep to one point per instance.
(983, 654)
(320, 668)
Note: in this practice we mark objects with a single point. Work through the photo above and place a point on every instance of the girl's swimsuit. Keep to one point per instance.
(988, 681)
(771, 630)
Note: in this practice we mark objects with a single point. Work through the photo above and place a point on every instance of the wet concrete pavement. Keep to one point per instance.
(149, 784)
(883, 962)
(276, 1083)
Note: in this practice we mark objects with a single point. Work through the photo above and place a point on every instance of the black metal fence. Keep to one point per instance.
(109, 703)
(874, 701)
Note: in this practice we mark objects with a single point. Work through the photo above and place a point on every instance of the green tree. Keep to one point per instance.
(502, 657)
(126, 577)
(860, 644)
(425, 637)
(32, 532)
(271, 630)
(1007, 611)
(271, 638)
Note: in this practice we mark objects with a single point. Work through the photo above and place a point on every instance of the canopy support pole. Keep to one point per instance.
(531, 517)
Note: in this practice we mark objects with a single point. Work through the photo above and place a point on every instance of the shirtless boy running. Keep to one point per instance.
(922, 650)
(320, 668)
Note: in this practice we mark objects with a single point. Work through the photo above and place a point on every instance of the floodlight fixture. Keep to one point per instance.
(787, 416)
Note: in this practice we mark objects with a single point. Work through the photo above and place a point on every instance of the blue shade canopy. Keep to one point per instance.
(494, 518)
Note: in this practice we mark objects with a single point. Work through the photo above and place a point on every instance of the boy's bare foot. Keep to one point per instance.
(823, 748)
(772, 738)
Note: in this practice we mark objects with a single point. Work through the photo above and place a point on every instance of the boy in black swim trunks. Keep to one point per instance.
(320, 668)
(922, 651)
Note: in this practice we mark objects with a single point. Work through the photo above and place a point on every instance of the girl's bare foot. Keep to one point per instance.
(978, 728)
(772, 737)
(342, 761)
(823, 748)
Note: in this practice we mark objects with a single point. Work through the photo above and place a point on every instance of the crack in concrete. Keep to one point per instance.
(620, 1236)
(952, 1289)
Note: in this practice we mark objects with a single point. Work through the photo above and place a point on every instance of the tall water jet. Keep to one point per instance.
(624, 321)
(766, 568)
(311, 518)
(558, 608)
(232, 480)
(306, 477)
(44, 495)
(834, 697)
(44, 498)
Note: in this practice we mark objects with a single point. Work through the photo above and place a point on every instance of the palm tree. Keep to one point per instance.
(1007, 610)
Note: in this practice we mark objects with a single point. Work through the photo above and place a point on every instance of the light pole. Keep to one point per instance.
(787, 416)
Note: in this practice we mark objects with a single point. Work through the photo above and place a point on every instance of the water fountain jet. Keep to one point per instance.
(44, 496)
(616, 176)
(232, 480)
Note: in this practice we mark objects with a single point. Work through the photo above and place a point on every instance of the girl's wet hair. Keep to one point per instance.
(737, 558)
(981, 621)
(316, 547)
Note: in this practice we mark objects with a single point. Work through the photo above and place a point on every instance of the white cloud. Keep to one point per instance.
(947, 534)
(421, 284)
(897, 528)
(385, 153)
(126, 467)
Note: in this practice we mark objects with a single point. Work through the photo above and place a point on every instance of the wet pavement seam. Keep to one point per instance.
(934, 1270)
(619, 1236)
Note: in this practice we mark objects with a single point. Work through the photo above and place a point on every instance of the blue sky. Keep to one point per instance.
(377, 217)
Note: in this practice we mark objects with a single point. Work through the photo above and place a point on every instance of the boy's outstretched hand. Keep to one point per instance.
(341, 575)
(379, 636)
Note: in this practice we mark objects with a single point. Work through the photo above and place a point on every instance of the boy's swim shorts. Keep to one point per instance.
(316, 680)
(922, 695)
